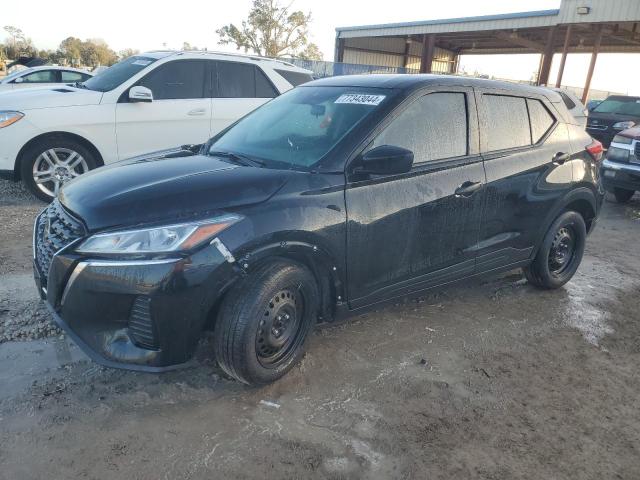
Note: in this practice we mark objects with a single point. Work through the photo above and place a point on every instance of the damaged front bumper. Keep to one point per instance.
(138, 314)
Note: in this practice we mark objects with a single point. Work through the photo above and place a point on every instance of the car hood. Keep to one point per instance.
(170, 186)
(24, 99)
(609, 119)
(631, 133)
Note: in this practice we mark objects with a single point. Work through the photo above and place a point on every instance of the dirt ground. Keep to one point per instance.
(489, 380)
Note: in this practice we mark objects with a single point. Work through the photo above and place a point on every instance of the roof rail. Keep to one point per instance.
(214, 52)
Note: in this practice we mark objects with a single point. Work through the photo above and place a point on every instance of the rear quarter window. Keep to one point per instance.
(570, 104)
(507, 122)
(541, 119)
(294, 78)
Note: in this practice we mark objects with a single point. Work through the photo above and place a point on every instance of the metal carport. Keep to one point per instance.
(578, 26)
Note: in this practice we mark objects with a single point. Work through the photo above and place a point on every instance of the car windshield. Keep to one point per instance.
(620, 105)
(114, 76)
(297, 129)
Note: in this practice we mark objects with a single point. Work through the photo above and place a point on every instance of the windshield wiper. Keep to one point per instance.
(238, 158)
(80, 85)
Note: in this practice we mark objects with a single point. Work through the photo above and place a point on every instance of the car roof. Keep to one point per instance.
(275, 63)
(414, 81)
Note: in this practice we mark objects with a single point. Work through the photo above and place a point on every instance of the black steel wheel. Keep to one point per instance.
(279, 330)
(562, 250)
(264, 321)
(560, 253)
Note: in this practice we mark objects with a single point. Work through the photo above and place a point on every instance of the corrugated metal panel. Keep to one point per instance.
(442, 63)
(601, 11)
(367, 58)
(537, 19)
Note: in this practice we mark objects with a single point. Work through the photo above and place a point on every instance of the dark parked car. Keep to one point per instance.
(621, 169)
(613, 115)
(334, 197)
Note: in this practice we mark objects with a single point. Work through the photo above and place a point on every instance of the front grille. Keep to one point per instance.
(141, 328)
(55, 229)
(637, 150)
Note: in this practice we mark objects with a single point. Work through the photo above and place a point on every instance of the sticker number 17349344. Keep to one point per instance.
(360, 99)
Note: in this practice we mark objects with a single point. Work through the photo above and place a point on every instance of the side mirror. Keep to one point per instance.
(387, 160)
(19, 80)
(140, 94)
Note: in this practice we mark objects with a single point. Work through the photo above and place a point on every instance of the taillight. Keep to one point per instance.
(596, 150)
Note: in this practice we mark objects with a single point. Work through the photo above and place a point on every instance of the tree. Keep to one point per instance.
(272, 30)
(19, 45)
(71, 50)
(127, 52)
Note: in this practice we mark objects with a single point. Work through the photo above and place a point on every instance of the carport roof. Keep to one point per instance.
(524, 32)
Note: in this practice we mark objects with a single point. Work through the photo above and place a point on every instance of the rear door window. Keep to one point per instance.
(72, 77)
(177, 80)
(541, 119)
(433, 127)
(242, 80)
(507, 122)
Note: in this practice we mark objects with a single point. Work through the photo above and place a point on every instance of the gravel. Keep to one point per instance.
(23, 316)
(25, 321)
(15, 193)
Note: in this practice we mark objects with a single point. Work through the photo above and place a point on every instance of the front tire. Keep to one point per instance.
(264, 321)
(52, 162)
(622, 195)
(560, 254)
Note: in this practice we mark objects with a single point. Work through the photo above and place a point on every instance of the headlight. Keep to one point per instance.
(624, 125)
(8, 118)
(170, 238)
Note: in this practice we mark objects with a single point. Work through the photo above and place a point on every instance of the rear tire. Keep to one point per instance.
(560, 253)
(264, 321)
(622, 195)
(47, 165)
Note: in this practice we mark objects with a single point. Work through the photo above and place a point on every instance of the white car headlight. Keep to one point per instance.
(9, 117)
(169, 238)
(624, 125)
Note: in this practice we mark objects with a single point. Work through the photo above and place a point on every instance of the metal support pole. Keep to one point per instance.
(563, 59)
(407, 46)
(592, 65)
(428, 50)
(547, 58)
(339, 56)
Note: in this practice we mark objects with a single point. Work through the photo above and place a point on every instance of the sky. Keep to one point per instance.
(154, 24)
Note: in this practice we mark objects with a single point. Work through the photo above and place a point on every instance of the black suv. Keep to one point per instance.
(615, 114)
(339, 195)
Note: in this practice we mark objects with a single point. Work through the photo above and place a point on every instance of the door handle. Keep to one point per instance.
(467, 189)
(560, 157)
(197, 111)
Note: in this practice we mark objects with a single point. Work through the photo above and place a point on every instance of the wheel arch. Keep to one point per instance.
(325, 268)
(57, 134)
(581, 200)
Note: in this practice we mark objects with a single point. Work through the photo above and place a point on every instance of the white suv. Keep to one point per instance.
(147, 102)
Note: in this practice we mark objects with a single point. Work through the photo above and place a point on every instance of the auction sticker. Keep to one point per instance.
(360, 99)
